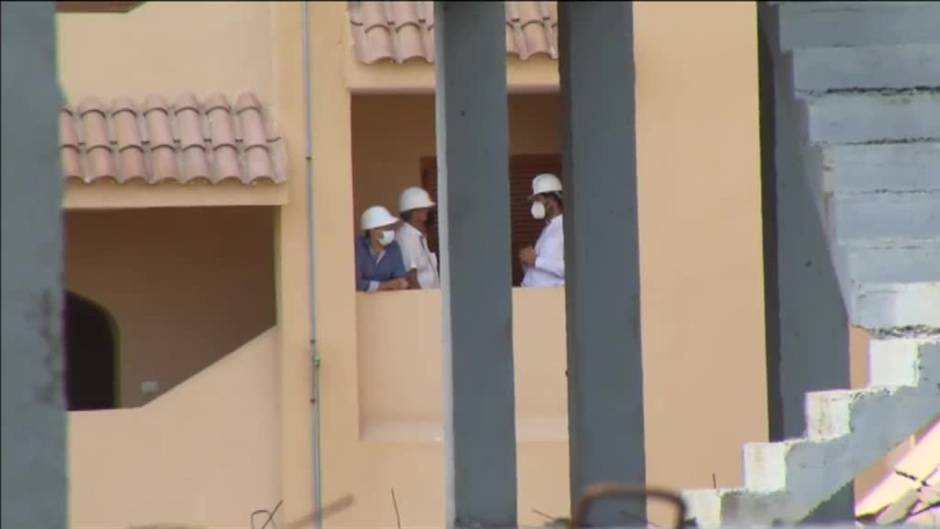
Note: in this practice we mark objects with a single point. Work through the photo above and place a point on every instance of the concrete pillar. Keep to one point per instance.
(807, 326)
(605, 372)
(35, 485)
(473, 153)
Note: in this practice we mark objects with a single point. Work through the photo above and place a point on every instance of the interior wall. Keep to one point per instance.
(391, 133)
(185, 286)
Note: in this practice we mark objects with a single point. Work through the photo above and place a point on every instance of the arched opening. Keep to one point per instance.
(90, 355)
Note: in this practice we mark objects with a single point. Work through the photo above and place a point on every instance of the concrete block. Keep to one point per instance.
(878, 218)
(873, 117)
(866, 67)
(704, 505)
(841, 24)
(765, 466)
(828, 413)
(896, 362)
(874, 168)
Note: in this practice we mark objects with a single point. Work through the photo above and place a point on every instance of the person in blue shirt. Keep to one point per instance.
(379, 263)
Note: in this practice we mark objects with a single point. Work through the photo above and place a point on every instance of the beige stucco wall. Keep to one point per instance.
(700, 238)
(167, 48)
(384, 163)
(702, 280)
(204, 455)
(184, 285)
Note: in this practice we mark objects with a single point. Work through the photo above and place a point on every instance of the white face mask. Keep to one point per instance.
(538, 210)
(386, 237)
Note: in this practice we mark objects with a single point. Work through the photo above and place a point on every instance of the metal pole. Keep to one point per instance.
(315, 357)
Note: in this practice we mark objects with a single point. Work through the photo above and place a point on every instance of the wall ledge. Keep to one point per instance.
(112, 195)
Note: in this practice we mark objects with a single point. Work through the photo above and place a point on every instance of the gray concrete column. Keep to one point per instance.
(807, 326)
(605, 372)
(34, 422)
(473, 162)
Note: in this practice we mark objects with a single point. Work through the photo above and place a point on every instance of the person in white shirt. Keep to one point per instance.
(544, 264)
(414, 207)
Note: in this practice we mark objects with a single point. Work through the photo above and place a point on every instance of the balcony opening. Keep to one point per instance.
(185, 286)
(385, 164)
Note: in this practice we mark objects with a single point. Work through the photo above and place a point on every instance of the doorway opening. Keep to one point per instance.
(90, 355)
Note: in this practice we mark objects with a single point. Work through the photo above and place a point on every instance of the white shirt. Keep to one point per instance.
(549, 269)
(416, 255)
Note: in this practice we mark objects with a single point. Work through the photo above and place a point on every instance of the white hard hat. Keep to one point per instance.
(414, 198)
(545, 183)
(376, 217)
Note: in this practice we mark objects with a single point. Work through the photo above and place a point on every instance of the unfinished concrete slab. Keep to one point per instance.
(875, 168)
(856, 141)
(878, 218)
(842, 24)
(819, 70)
(873, 117)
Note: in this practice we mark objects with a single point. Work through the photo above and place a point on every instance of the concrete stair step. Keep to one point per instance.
(913, 261)
(899, 361)
(817, 70)
(842, 24)
(847, 431)
(893, 305)
(830, 413)
(878, 219)
(872, 117)
(870, 168)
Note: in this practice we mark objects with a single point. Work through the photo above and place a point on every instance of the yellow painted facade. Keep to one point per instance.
(380, 391)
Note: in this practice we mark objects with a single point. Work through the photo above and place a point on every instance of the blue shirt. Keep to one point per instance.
(374, 269)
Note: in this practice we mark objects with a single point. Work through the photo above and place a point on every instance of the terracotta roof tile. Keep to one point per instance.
(187, 141)
(402, 31)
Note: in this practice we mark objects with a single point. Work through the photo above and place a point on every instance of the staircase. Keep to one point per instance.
(858, 85)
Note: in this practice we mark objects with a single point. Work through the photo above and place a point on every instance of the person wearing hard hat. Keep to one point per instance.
(544, 264)
(379, 265)
(414, 207)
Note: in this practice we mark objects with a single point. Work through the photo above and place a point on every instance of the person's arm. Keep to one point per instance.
(398, 263)
(551, 262)
(362, 284)
(410, 247)
(552, 257)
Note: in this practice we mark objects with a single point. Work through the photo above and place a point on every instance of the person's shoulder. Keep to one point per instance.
(408, 237)
(407, 231)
